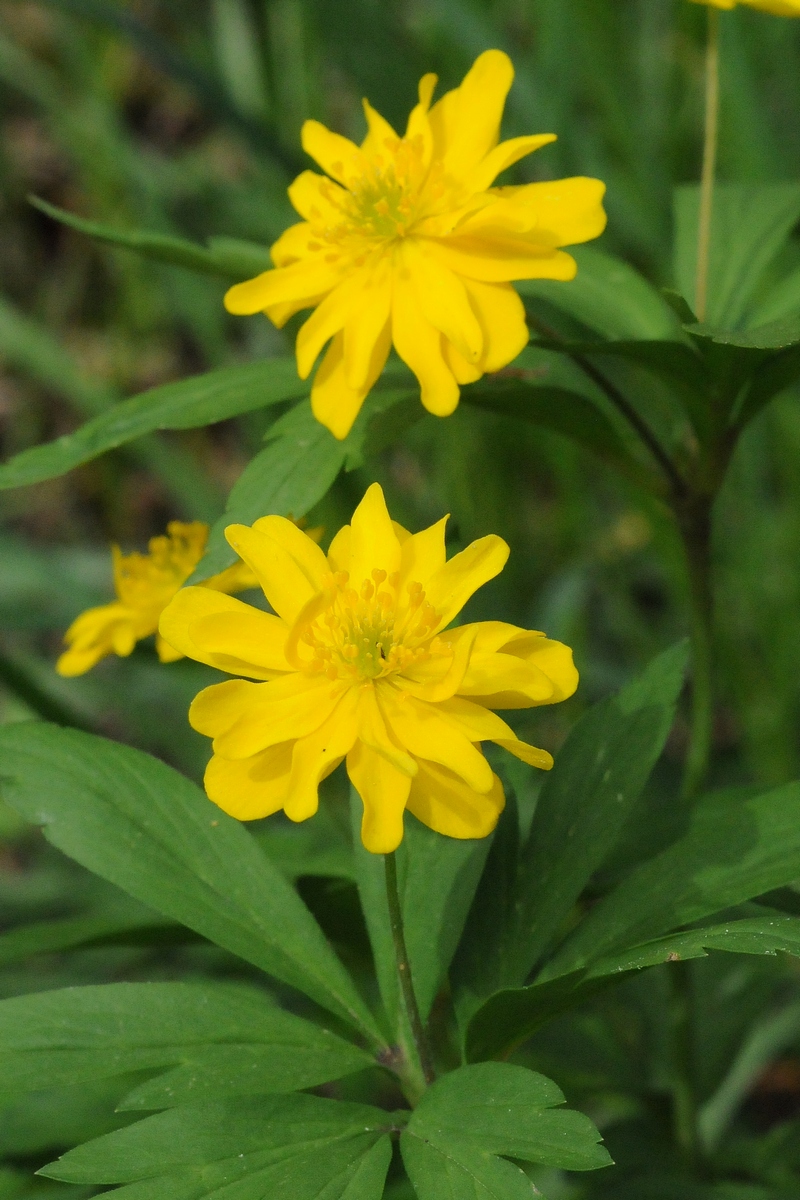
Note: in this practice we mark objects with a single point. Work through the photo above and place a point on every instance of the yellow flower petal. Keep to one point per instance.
(216, 709)
(380, 135)
(295, 243)
(297, 284)
(250, 788)
(317, 755)
(474, 121)
(165, 652)
(334, 403)
(288, 565)
(384, 791)
(423, 554)
(367, 331)
(316, 198)
(328, 319)
(426, 732)
(373, 541)
(340, 549)
(225, 633)
(445, 804)
(528, 669)
(289, 707)
(419, 345)
(502, 317)
(505, 155)
(338, 156)
(95, 634)
(451, 587)
(442, 299)
(529, 754)
(374, 733)
(496, 259)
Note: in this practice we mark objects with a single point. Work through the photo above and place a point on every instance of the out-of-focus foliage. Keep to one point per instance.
(182, 119)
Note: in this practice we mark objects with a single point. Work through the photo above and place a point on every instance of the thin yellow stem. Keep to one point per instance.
(709, 165)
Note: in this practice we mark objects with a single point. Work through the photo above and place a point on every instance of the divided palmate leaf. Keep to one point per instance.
(584, 803)
(220, 1041)
(47, 937)
(470, 1121)
(138, 823)
(511, 1016)
(185, 404)
(295, 1147)
(735, 848)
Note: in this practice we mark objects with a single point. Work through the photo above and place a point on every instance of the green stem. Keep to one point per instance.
(404, 970)
(695, 525)
(684, 1098)
(709, 165)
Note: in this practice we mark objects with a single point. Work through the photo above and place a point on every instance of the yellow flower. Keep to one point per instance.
(359, 664)
(405, 242)
(779, 8)
(145, 584)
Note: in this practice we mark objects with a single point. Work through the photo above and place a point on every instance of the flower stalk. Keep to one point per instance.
(404, 970)
(710, 145)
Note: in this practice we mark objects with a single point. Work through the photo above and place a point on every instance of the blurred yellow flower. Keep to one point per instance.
(145, 584)
(359, 664)
(405, 242)
(780, 8)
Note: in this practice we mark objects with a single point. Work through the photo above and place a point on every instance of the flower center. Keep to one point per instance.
(373, 631)
(385, 202)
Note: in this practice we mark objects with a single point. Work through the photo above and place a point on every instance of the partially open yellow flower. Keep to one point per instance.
(405, 242)
(359, 663)
(779, 8)
(145, 584)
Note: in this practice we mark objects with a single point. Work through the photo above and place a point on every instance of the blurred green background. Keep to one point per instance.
(183, 117)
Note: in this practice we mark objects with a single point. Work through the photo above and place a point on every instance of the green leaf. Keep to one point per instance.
(186, 404)
(293, 473)
(751, 224)
(584, 803)
(467, 1119)
(221, 1041)
(772, 377)
(781, 301)
(293, 1147)
(48, 937)
(609, 296)
(136, 822)
(778, 335)
(226, 257)
(561, 411)
(736, 847)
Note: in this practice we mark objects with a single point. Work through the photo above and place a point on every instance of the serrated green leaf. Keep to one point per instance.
(136, 822)
(228, 258)
(471, 1117)
(751, 223)
(734, 849)
(186, 404)
(220, 1040)
(609, 296)
(512, 1015)
(288, 1147)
